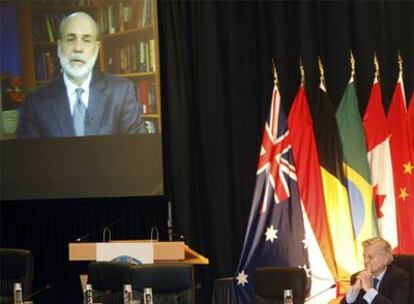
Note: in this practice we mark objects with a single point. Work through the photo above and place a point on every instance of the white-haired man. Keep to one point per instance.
(381, 282)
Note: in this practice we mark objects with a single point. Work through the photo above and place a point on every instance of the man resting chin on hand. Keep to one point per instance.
(381, 282)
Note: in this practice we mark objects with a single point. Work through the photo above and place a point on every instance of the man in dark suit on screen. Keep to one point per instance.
(80, 102)
(381, 282)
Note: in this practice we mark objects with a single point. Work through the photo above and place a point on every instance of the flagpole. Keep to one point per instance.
(322, 74)
(266, 193)
(352, 60)
(400, 64)
(302, 72)
(376, 65)
(276, 80)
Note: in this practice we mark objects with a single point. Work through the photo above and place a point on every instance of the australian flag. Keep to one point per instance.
(275, 233)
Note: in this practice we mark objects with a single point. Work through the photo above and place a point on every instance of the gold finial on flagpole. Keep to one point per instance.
(302, 71)
(275, 72)
(321, 71)
(376, 65)
(352, 60)
(400, 63)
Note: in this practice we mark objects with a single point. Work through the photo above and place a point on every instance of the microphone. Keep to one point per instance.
(169, 223)
(83, 237)
(87, 235)
(47, 287)
(321, 292)
(105, 293)
(186, 292)
(88, 120)
(180, 237)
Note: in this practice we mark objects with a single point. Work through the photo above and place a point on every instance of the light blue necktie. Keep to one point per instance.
(79, 111)
(376, 281)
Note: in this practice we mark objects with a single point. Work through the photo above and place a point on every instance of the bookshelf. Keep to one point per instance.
(129, 45)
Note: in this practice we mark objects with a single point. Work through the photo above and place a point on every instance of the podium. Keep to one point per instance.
(163, 252)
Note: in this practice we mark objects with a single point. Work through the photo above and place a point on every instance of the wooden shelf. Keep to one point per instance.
(41, 82)
(147, 30)
(44, 43)
(138, 74)
(61, 7)
(151, 116)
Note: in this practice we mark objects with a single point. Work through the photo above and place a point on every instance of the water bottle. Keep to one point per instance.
(87, 295)
(288, 296)
(148, 296)
(127, 293)
(17, 293)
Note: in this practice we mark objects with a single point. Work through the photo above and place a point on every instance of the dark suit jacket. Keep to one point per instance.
(112, 109)
(394, 288)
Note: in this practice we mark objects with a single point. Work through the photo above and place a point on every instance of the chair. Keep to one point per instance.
(170, 283)
(270, 283)
(406, 262)
(16, 265)
(222, 291)
(108, 279)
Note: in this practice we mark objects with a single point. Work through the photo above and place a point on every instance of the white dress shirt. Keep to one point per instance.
(71, 91)
(369, 296)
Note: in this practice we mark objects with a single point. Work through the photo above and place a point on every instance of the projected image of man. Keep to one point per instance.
(80, 101)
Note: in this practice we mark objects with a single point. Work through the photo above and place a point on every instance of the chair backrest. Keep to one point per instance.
(108, 279)
(170, 283)
(270, 283)
(406, 262)
(16, 265)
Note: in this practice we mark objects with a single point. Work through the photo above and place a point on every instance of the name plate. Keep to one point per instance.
(142, 252)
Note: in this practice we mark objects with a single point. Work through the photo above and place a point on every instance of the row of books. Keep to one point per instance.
(132, 58)
(146, 95)
(118, 16)
(125, 15)
(46, 26)
(47, 66)
(150, 126)
(60, 2)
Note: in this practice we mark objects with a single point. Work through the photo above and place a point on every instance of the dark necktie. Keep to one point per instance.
(376, 281)
(79, 111)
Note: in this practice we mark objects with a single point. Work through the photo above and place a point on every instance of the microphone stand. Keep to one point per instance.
(191, 291)
(170, 223)
(47, 287)
(106, 229)
(87, 235)
(320, 292)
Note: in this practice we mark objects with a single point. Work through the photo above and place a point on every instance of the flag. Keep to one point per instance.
(379, 159)
(275, 230)
(402, 168)
(411, 123)
(336, 197)
(356, 168)
(318, 238)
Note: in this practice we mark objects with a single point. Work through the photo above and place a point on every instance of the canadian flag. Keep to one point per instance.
(379, 158)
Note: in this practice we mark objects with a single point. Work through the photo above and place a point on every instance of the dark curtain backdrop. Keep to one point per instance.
(216, 89)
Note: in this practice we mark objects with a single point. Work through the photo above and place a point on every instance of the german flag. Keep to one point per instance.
(335, 193)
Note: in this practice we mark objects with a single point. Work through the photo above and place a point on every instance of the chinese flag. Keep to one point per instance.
(403, 170)
(411, 123)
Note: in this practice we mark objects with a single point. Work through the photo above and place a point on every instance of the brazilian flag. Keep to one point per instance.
(356, 168)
